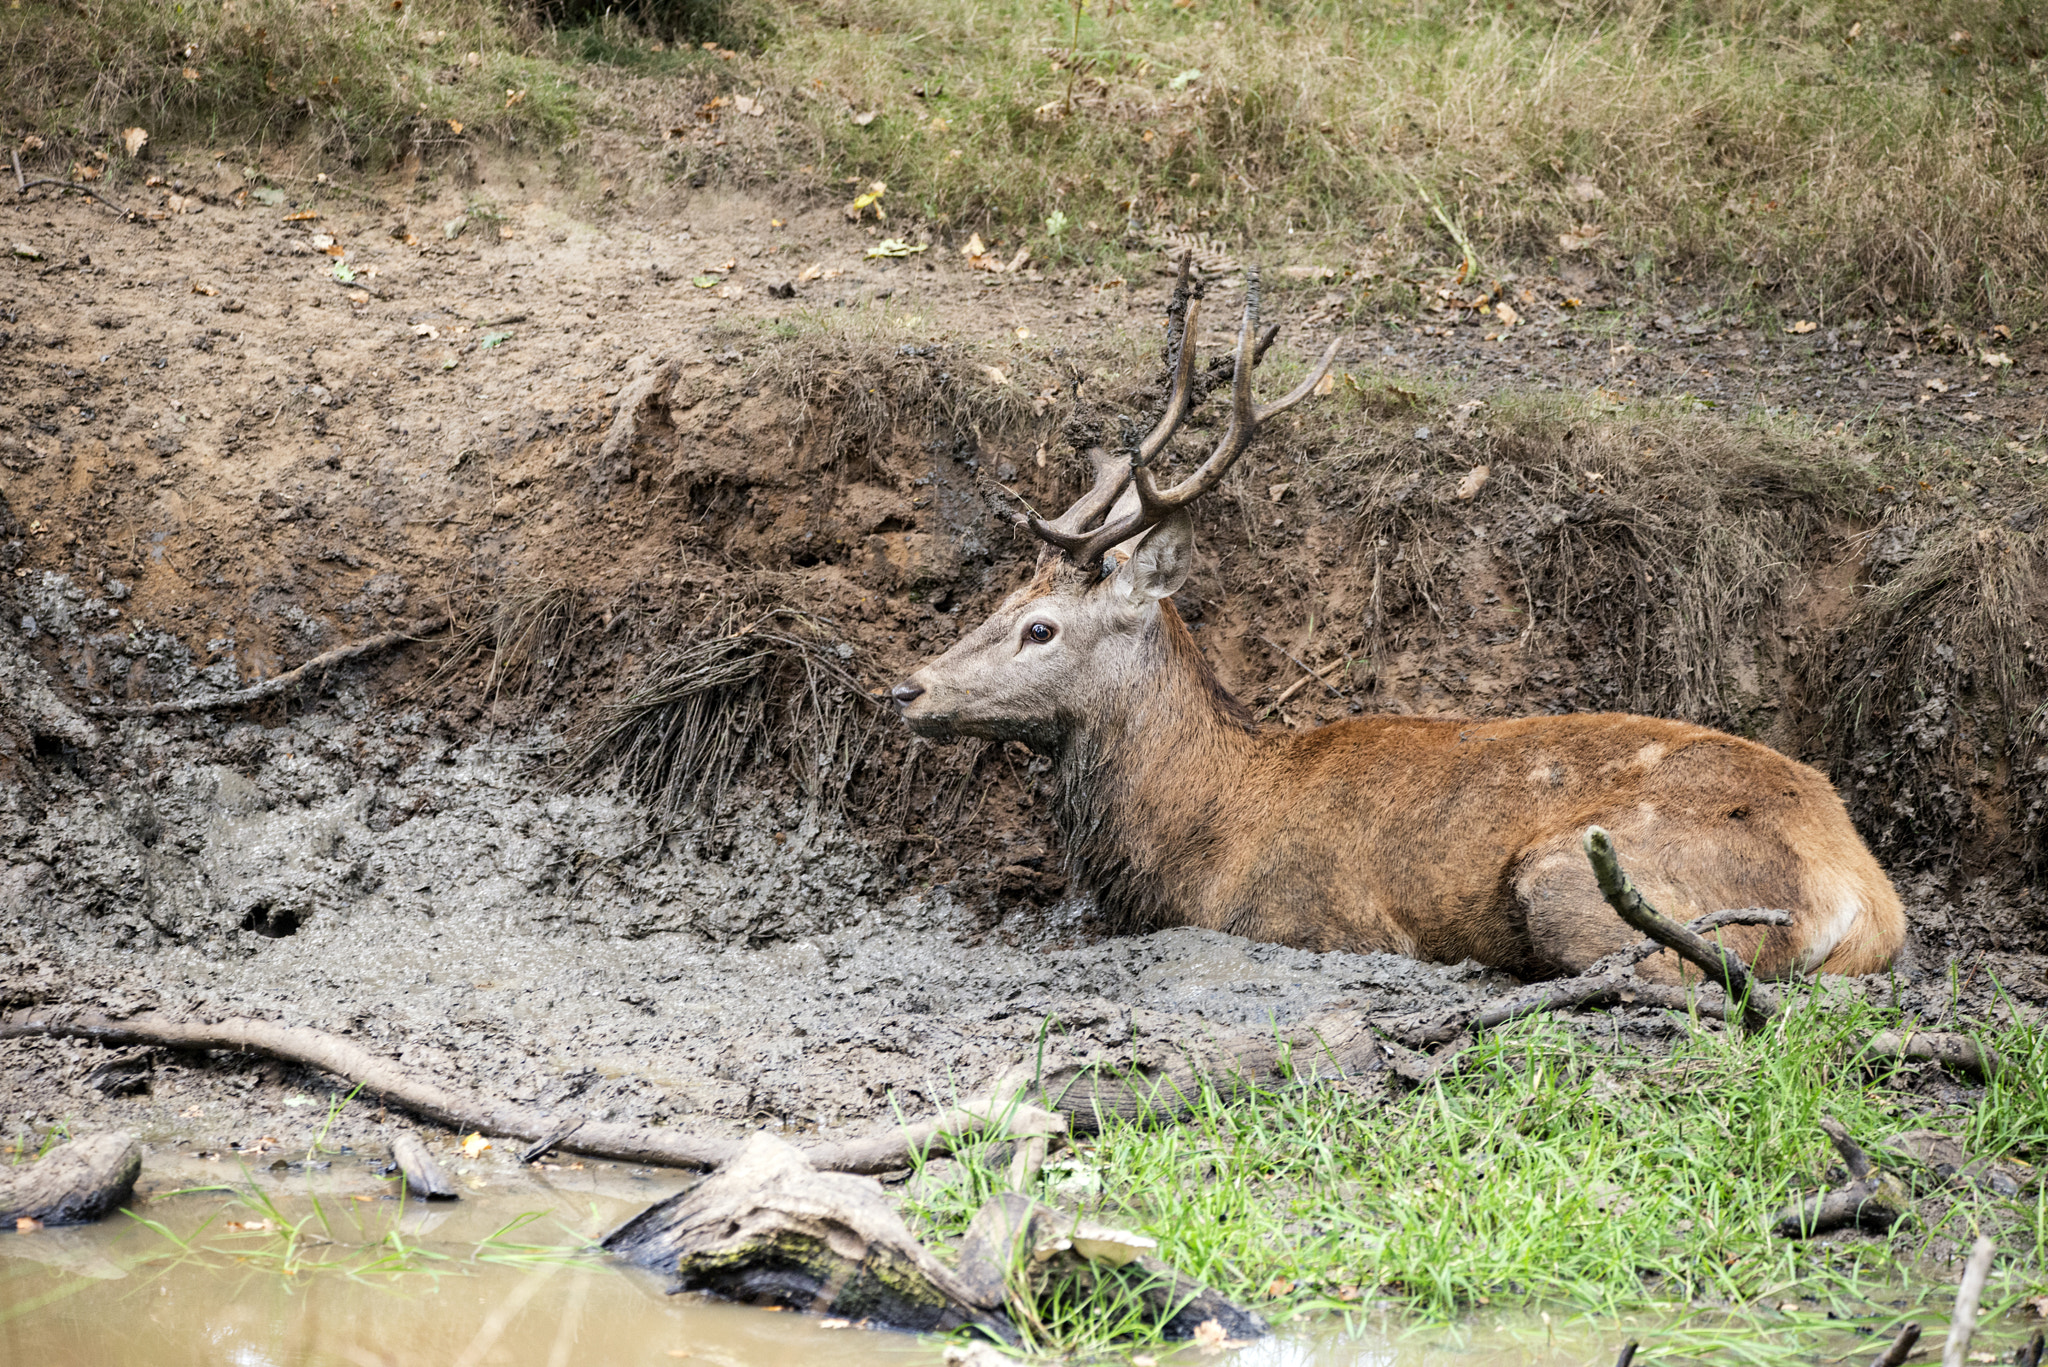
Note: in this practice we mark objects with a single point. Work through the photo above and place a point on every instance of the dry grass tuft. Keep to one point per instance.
(733, 703)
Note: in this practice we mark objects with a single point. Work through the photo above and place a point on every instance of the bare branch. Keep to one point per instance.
(1759, 1004)
(1901, 1348)
(1963, 1324)
(270, 688)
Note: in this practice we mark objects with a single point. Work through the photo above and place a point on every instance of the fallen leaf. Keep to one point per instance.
(1475, 480)
(1050, 111)
(513, 97)
(1017, 264)
(1208, 1334)
(455, 227)
(975, 247)
(80, 171)
(1023, 334)
(1582, 237)
(835, 1324)
(134, 139)
(703, 282)
(1279, 1287)
(426, 330)
(1969, 417)
(190, 74)
(862, 120)
(26, 252)
(268, 195)
(26, 1224)
(208, 290)
(474, 1145)
(321, 242)
(1276, 492)
(752, 108)
(1802, 327)
(454, 125)
(731, 291)
(302, 216)
(491, 339)
(1995, 359)
(1939, 386)
(810, 273)
(1584, 189)
(1506, 313)
(890, 246)
(1325, 385)
(872, 199)
(31, 143)
(995, 374)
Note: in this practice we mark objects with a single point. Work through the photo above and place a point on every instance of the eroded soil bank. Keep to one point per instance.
(264, 426)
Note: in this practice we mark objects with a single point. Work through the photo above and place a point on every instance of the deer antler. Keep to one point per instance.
(1070, 531)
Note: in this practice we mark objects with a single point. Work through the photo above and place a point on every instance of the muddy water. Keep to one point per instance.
(333, 1272)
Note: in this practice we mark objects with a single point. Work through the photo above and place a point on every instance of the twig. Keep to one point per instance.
(270, 688)
(1964, 1322)
(1901, 1349)
(1857, 1161)
(1315, 675)
(382, 1078)
(22, 187)
(1758, 1003)
(1627, 1354)
(538, 1148)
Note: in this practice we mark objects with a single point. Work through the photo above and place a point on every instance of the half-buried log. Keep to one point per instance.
(769, 1229)
(73, 1183)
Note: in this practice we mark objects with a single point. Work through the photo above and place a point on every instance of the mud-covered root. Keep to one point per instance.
(1947, 1048)
(72, 1184)
(613, 464)
(1873, 1199)
(526, 631)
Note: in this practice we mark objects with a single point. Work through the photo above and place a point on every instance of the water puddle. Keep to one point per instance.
(328, 1269)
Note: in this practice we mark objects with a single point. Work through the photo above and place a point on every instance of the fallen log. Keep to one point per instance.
(72, 1184)
(1947, 1048)
(769, 1229)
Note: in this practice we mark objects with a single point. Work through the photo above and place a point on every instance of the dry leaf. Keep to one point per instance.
(995, 374)
(1585, 189)
(426, 330)
(26, 1224)
(190, 74)
(1325, 385)
(810, 273)
(1279, 1287)
(455, 125)
(1582, 237)
(1802, 327)
(359, 297)
(1475, 480)
(80, 171)
(975, 247)
(1017, 264)
(752, 108)
(864, 119)
(303, 216)
(474, 1145)
(208, 290)
(1969, 417)
(1995, 359)
(731, 291)
(1939, 386)
(134, 139)
(1506, 313)
(1209, 1334)
(835, 1324)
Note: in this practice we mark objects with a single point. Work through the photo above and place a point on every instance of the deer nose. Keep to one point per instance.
(906, 693)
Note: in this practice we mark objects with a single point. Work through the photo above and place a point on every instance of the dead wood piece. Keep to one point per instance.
(72, 1184)
(2030, 1356)
(1947, 1048)
(539, 1148)
(22, 186)
(1901, 1347)
(633, 400)
(270, 688)
(1759, 1004)
(1963, 1324)
(423, 1176)
(1627, 1354)
(768, 1228)
(387, 1081)
(1872, 1200)
(1016, 1251)
(122, 1075)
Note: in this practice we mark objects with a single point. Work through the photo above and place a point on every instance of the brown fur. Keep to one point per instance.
(1441, 838)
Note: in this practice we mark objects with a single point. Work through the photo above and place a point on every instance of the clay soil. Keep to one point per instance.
(221, 458)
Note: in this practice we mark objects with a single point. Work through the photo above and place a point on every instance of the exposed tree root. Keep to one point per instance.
(1873, 1199)
(284, 682)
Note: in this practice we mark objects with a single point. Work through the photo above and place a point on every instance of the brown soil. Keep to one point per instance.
(220, 459)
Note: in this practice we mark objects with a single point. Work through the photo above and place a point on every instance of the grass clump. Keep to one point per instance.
(1558, 1168)
(1853, 156)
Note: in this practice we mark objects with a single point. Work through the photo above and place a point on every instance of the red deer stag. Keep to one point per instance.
(1437, 837)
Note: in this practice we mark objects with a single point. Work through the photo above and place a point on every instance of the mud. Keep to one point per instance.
(222, 454)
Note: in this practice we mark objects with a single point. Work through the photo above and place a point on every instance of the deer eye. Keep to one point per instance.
(1040, 632)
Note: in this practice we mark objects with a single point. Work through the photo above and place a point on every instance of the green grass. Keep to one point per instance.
(1558, 1170)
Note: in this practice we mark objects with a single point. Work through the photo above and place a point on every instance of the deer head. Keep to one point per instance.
(1058, 650)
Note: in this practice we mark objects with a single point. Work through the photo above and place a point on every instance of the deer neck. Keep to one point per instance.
(1143, 786)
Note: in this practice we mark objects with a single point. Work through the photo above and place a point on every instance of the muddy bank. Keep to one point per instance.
(224, 458)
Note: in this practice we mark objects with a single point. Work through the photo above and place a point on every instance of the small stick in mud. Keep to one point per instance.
(1956, 1352)
(1759, 1004)
(72, 1184)
(270, 688)
(1627, 1354)
(423, 1176)
(1901, 1347)
(539, 1148)
(22, 187)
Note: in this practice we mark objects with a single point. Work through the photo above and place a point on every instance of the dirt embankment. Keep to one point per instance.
(223, 455)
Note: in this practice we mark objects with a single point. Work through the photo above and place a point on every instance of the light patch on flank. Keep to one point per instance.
(1848, 910)
(1648, 756)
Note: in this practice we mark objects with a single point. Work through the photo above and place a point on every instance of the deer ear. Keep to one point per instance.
(1160, 564)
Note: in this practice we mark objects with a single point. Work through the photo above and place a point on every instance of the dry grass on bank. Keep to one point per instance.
(1855, 156)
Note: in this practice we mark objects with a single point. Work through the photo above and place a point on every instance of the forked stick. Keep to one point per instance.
(1759, 1004)
(1956, 1352)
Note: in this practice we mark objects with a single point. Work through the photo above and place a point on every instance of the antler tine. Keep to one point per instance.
(1180, 396)
(1245, 417)
(1069, 531)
